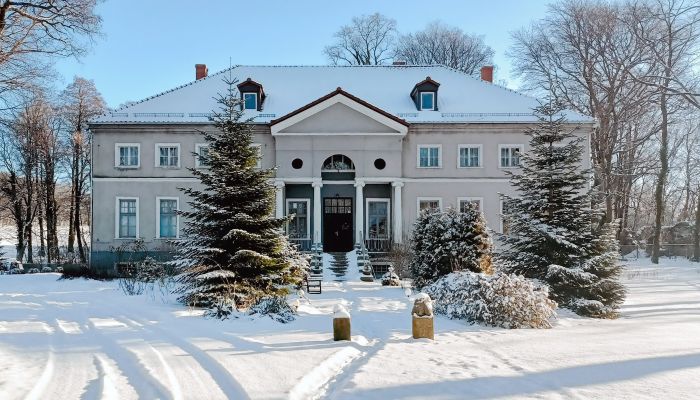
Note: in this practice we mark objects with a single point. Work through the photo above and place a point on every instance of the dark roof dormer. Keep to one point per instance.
(425, 95)
(252, 94)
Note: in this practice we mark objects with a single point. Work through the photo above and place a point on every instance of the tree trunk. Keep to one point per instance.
(661, 181)
(696, 232)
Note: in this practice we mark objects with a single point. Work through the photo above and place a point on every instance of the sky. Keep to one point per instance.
(149, 46)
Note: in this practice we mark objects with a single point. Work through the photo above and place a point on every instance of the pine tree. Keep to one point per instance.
(234, 251)
(553, 234)
(448, 241)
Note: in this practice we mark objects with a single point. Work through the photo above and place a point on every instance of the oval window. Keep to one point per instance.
(379, 163)
(297, 163)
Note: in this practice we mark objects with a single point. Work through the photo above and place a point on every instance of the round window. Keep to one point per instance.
(379, 163)
(297, 163)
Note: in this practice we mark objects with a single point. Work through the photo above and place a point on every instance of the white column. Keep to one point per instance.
(359, 210)
(279, 199)
(317, 184)
(397, 214)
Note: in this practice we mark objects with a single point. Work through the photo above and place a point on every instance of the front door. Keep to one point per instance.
(337, 224)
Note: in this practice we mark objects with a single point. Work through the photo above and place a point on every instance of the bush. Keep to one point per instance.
(449, 241)
(146, 275)
(390, 278)
(33, 270)
(502, 300)
(46, 269)
(275, 307)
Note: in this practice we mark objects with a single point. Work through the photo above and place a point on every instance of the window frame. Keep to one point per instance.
(386, 200)
(511, 146)
(429, 146)
(500, 217)
(156, 155)
(259, 146)
(419, 199)
(308, 215)
(177, 216)
(420, 100)
(117, 215)
(117, 146)
(197, 150)
(470, 146)
(243, 97)
(468, 198)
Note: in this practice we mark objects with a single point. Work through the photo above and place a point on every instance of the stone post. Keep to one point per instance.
(423, 326)
(341, 323)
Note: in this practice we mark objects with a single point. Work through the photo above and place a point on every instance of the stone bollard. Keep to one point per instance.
(341, 323)
(423, 327)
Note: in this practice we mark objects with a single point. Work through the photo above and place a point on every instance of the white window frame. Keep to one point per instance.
(256, 100)
(308, 215)
(420, 100)
(116, 218)
(429, 146)
(419, 199)
(157, 155)
(470, 146)
(177, 216)
(117, 146)
(479, 199)
(502, 146)
(197, 149)
(388, 214)
(259, 146)
(500, 215)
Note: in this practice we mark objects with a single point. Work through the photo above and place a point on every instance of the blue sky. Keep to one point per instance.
(150, 46)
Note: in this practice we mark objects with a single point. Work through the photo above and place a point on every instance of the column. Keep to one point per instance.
(359, 210)
(318, 207)
(397, 213)
(279, 199)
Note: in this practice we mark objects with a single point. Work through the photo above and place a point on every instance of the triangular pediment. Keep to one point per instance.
(339, 113)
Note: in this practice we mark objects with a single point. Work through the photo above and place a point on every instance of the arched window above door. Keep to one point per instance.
(338, 163)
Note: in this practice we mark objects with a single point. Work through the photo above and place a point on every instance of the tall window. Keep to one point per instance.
(250, 101)
(378, 218)
(258, 151)
(427, 101)
(510, 155)
(429, 203)
(429, 156)
(298, 227)
(466, 202)
(127, 219)
(167, 218)
(168, 155)
(127, 155)
(469, 156)
(202, 154)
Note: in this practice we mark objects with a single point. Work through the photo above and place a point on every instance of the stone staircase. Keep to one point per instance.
(339, 266)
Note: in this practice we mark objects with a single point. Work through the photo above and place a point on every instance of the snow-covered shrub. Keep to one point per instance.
(275, 307)
(33, 270)
(390, 278)
(449, 241)
(46, 269)
(502, 300)
(143, 275)
(59, 269)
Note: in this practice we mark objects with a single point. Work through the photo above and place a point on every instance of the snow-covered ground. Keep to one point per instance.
(85, 339)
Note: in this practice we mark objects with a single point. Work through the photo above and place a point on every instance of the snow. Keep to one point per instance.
(461, 98)
(85, 339)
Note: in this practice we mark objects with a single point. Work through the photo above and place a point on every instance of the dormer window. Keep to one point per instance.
(252, 95)
(425, 95)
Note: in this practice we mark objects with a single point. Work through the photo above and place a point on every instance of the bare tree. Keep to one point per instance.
(446, 45)
(368, 40)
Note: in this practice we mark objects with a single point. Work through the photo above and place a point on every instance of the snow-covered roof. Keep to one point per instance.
(461, 98)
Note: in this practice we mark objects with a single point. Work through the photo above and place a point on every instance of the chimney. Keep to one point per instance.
(201, 71)
(399, 62)
(487, 73)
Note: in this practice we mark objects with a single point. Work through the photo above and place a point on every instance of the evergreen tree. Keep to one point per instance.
(448, 241)
(234, 251)
(552, 233)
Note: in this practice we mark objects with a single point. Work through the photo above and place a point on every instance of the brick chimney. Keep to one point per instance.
(201, 71)
(487, 73)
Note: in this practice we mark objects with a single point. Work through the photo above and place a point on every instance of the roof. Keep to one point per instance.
(463, 98)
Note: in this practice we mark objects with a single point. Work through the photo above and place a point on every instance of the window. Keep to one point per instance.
(338, 163)
(510, 155)
(167, 155)
(126, 155)
(379, 163)
(464, 202)
(427, 101)
(167, 223)
(429, 156)
(504, 221)
(469, 156)
(258, 150)
(377, 218)
(202, 154)
(429, 203)
(250, 101)
(127, 218)
(298, 227)
(297, 163)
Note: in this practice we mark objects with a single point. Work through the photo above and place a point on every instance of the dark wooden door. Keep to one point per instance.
(337, 224)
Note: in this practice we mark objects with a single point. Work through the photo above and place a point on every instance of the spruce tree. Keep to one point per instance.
(553, 234)
(234, 251)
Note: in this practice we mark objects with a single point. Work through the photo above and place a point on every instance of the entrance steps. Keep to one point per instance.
(339, 266)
